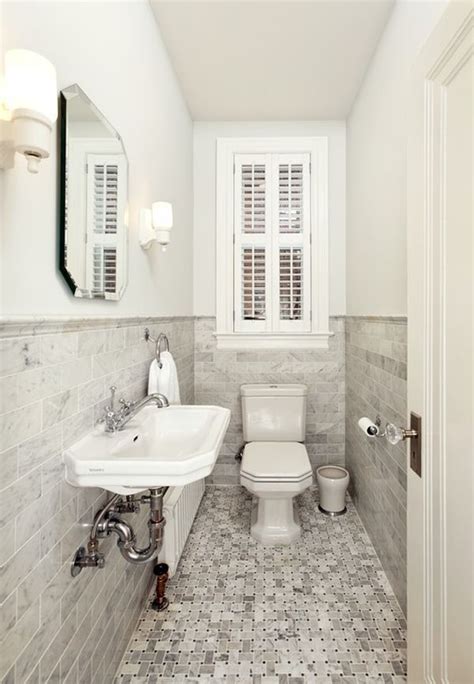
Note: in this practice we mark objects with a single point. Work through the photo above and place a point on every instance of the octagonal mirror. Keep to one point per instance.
(93, 200)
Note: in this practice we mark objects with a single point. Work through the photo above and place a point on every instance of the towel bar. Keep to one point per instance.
(161, 338)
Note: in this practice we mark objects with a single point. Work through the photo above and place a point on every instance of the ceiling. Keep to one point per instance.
(270, 60)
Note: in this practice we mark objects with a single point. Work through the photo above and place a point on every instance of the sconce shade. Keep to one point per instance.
(30, 84)
(162, 215)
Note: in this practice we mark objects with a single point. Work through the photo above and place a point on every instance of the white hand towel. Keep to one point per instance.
(153, 377)
(164, 379)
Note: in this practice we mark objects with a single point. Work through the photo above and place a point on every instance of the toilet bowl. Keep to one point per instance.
(332, 483)
(275, 472)
(275, 465)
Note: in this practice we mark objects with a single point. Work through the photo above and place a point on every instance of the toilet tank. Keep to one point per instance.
(274, 413)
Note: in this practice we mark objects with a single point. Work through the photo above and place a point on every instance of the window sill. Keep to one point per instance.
(245, 341)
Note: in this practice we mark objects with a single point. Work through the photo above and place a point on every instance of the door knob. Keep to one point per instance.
(396, 434)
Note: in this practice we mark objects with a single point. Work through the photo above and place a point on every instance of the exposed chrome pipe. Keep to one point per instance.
(126, 535)
(109, 506)
(107, 521)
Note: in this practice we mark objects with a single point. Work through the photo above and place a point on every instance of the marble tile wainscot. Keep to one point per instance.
(219, 375)
(376, 372)
(54, 380)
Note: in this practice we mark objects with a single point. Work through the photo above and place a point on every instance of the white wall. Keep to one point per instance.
(377, 131)
(114, 51)
(205, 136)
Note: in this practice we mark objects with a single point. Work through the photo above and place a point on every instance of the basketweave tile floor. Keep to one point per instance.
(321, 610)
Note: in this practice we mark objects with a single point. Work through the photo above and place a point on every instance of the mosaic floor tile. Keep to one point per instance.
(321, 610)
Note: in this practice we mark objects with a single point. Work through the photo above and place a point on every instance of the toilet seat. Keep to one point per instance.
(275, 462)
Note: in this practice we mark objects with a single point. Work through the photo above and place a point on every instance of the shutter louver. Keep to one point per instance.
(291, 283)
(253, 198)
(105, 198)
(290, 188)
(105, 269)
(253, 283)
(252, 242)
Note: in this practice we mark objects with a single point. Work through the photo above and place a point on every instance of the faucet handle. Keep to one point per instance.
(113, 389)
(126, 405)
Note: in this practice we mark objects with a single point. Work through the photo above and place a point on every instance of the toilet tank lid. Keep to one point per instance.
(282, 390)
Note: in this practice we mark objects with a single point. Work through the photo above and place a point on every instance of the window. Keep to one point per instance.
(272, 272)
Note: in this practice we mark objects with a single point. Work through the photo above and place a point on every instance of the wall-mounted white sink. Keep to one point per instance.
(157, 448)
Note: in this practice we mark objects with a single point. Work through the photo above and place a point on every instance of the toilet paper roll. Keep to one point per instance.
(368, 427)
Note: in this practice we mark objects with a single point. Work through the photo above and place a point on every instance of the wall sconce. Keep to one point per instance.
(156, 224)
(28, 108)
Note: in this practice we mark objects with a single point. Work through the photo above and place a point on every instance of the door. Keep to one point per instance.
(440, 351)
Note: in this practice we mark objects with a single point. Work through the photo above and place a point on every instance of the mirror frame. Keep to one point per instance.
(63, 144)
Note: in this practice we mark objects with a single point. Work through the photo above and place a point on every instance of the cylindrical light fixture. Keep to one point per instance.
(30, 82)
(162, 217)
(31, 98)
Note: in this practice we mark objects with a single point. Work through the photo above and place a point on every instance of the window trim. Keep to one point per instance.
(225, 334)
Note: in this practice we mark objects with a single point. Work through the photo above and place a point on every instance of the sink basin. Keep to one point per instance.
(157, 448)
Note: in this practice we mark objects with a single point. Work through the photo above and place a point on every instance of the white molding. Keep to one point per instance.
(317, 148)
(246, 341)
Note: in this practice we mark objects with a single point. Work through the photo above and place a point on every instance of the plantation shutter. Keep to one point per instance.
(106, 192)
(252, 241)
(292, 243)
(272, 243)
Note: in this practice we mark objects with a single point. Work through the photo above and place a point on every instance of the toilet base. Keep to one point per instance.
(275, 521)
(333, 514)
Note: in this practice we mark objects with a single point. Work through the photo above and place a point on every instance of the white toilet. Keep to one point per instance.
(275, 465)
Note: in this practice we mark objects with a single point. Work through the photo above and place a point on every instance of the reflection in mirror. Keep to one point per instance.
(94, 194)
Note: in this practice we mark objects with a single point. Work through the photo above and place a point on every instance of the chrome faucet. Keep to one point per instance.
(117, 419)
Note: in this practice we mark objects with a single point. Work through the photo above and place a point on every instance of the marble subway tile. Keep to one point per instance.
(75, 372)
(58, 348)
(7, 546)
(18, 636)
(17, 426)
(34, 583)
(18, 496)
(7, 616)
(376, 383)
(18, 354)
(91, 342)
(33, 517)
(8, 393)
(39, 449)
(18, 567)
(77, 426)
(91, 393)
(59, 407)
(52, 654)
(57, 527)
(115, 339)
(37, 384)
(103, 364)
(52, 471)
(8, 467)
(62, 377)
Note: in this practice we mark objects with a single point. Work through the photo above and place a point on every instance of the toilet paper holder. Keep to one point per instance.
(392, 433)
